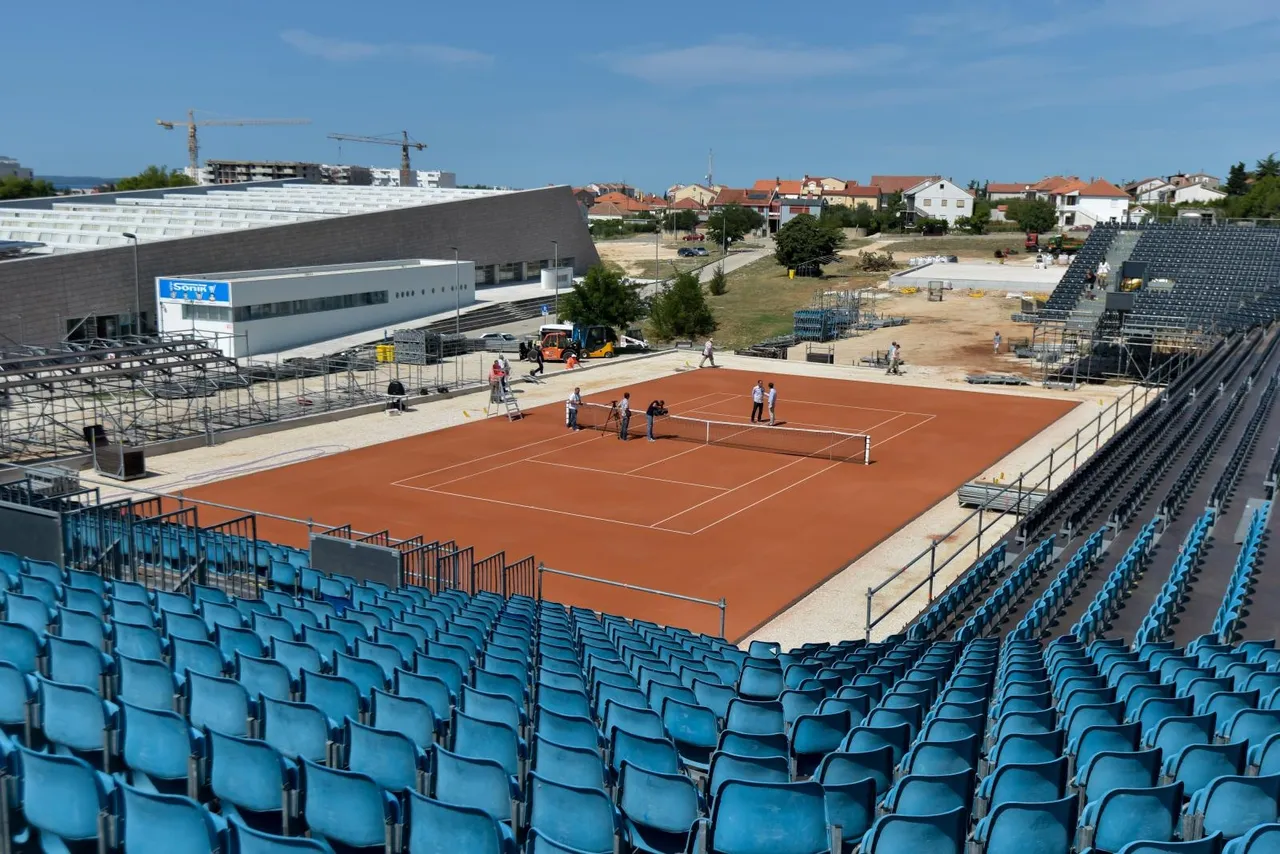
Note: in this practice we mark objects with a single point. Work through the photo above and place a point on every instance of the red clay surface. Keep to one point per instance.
(759, 529)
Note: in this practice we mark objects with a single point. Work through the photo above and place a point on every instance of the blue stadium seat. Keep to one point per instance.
(1039, 783)
(658, 809)
(1263, 839)
(1232, 806)
(347, 808)
(147, 684)
(1015, 827)
(154, 823)
(480, 784)
(937, 834)
(298, 730)
(657, 755)
(1118, 770)
(1122, 815)
(63, 800)
(694, 730)
(783, 818)
(876, 765)
(160, 750)
(931, 793)
(728, 766)
(76, 719)
(481, 739)
(20, 646)
(579, 819)
(568, 766)
(435, 827)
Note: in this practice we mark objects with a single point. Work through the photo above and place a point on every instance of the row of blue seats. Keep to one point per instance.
(1158, 620)
(1107, 601)
(1050, 603)
(1028, 569)
(971, 582)
(1227, 620)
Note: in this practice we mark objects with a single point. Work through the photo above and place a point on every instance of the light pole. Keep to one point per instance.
(137, 289)
(457, 298)
(556, 269)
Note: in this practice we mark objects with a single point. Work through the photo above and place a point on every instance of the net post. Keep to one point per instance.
(866, 453)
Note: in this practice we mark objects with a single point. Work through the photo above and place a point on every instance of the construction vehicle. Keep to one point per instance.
(593, 342)
(1055, 243)
(193, 144)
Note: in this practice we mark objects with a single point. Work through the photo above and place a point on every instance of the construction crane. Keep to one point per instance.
(193, 145)
(404, 142)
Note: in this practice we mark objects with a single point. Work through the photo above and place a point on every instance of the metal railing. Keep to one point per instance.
(543, 569)
(1049, 467)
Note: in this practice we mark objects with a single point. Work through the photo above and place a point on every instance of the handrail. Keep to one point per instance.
(1111, 414)
(543, 568)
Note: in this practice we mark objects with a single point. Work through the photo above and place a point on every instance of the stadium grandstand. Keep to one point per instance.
(85, 266)
(1104, 677)
(1170, 287)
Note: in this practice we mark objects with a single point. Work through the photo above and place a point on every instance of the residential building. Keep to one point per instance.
(11, 168)
(779, 187)
(606, 210)
(586, 197)
(822, 186)
(853, 195)
(1155, 191)
(432, 179)
(239, 171)
(998, 192)
(756, 200)
(1080, 203)
(789, 209)
(890, 184)
(624, 189)
(1000, 213)
(937, 198)
(1046, 187)
(347, 176)
(1197, 192)
(1181, 180)
(687, 204)
(703, 196)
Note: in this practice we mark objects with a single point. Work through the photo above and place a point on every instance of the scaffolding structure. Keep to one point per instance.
(143, 390)
(1076, 350)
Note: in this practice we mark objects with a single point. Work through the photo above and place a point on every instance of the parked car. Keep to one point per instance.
(695, 236)
(700, 251)
(687, 252)
(500, 342)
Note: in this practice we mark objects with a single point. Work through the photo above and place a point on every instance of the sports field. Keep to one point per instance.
(759, 528)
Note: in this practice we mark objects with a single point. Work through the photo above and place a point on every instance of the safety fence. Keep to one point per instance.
(914, 585)
(546, 570)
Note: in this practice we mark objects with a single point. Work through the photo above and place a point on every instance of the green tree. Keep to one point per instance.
(155, 178)
(13, 187)
(681, 311)
(977, 222)
(889, 216)
(864, 217)
(719, 282)
(932, 225)
(1261, 202)
(1267, 167)
(733, 222)
(1036, 215)
(683, 220)
(601, 298)
(603, 229)
(805, 240)
(1237, 180)
(837, 216)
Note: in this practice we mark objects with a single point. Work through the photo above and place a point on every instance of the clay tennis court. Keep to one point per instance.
(761, 529)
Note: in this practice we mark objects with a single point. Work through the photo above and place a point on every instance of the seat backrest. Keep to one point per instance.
(344, 806)
(931, 794)
(1030, 828)
(1040, 782)
(217, 703)
(483, 739)
(298, 730)
(577, 818)
(475, 783)
(435, 826)
(1233, 805)
(60, 796)
(839, 768)
(785, 818)
(568, 766)
(1119, 770)
(158, 824)
(937, 834)
(1123, 815)
(726, 767)
(667, 803)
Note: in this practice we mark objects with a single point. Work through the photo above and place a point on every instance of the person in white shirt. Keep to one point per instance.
(506, 370)
(571, 409)
(996, 342)
(708, 354)
(624, 416)
(1104, 270)
(757, 402)
(773, 403)
(894, 356)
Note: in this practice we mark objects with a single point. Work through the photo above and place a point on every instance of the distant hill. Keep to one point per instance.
(76, 182)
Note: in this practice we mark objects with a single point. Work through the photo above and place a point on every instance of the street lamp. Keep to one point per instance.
(137, 288)
(457, 298)
(556, 269)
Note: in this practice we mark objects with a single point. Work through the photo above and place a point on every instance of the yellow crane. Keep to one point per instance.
(404, 142)
(193, 145)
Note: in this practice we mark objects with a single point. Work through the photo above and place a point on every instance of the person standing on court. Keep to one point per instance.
(537, 357)
(757, 402)
(656, 408)
(624, 416)
(708, 354)
(996, 342)
(773, 403)
(571, 409)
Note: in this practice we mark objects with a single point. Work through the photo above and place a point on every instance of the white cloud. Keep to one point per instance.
(346, 50)
(745, 61)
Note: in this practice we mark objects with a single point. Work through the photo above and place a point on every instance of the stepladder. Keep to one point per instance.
(502, 400)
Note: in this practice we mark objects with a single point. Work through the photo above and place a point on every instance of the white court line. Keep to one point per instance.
(468, 462)
(628, 474)
(734, 489)
(876, 444)
(768, 497)
(881, 423)
(666, 459)
(526, 506)
(851, 406)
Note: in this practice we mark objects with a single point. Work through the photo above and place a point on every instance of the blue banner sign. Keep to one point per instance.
(195, 290)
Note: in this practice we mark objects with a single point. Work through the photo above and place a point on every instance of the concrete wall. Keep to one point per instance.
(502, 229)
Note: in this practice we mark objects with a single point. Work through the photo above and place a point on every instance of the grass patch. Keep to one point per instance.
(954, 244)
(761, 299)
(671, 266)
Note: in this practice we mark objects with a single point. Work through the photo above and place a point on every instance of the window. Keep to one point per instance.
(484, 275)
(288, 308)
(944, 203)
(510, 272)
(959, 203)
(197, 311)
(928, 203)
(534, 268)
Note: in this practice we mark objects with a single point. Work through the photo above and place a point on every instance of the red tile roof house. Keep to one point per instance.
(756, 200)
(1088, 203)
(890, 184)
(1015, 190)
(855, 194)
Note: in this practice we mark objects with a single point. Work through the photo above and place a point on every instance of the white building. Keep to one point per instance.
(267, 311)
(1197, 193)
(429, 178)
(11, 168)
(937, 198)
(1089, 204)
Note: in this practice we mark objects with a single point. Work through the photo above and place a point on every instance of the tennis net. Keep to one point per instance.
(819, 444)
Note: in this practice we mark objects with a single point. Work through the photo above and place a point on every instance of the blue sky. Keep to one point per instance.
(555, 92)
